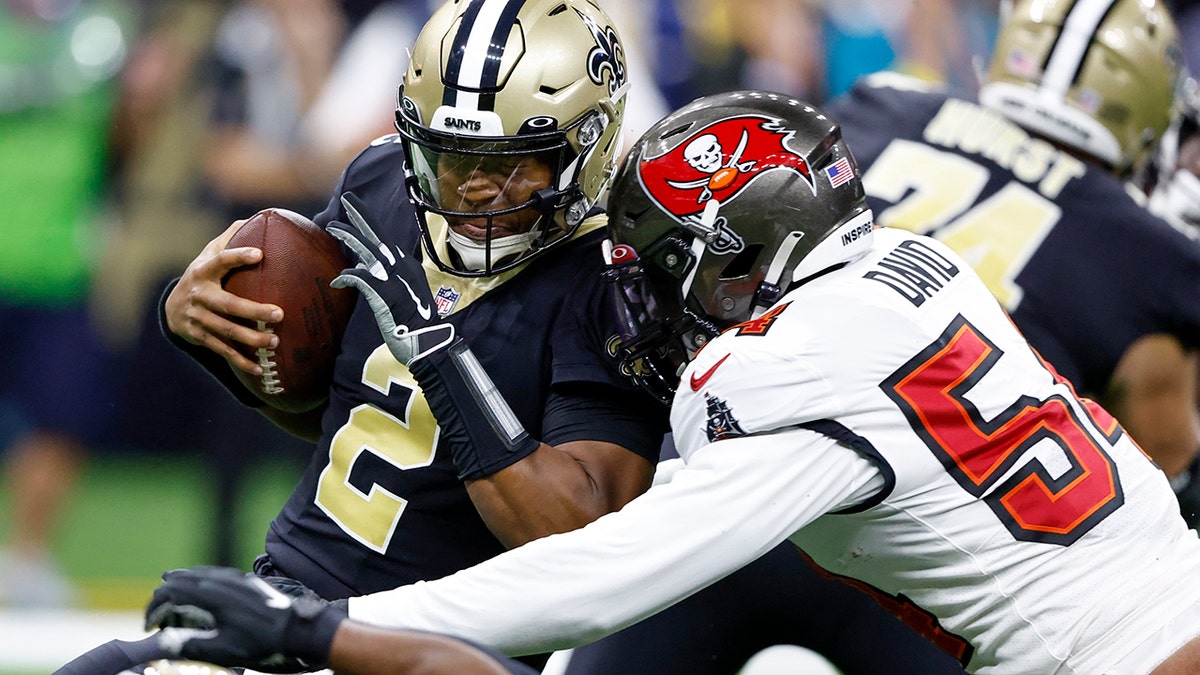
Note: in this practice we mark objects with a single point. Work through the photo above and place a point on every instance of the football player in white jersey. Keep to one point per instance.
(857, 391)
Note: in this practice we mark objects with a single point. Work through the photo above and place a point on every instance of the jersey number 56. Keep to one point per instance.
(1034, 505)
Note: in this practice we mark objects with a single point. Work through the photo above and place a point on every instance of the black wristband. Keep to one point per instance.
(472, 419)
(310, 629)
(212, 362)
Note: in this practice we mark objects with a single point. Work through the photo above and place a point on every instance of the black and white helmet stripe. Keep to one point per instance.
(1066, 57)
(1094, 75)
(543, 79)
(473, 69)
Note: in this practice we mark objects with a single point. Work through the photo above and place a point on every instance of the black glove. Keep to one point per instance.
(226, 617)
(394, 286)
(291, 588)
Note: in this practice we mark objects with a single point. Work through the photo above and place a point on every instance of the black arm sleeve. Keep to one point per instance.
(468, 417)
(114, 657)
(212, 362)
(576, 411)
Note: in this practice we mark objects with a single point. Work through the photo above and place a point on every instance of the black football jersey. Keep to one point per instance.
(380, 505)
(1083, 269)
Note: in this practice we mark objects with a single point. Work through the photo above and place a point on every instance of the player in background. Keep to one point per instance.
(1172, 181)
(1028, 185)
(1172, 186)
(505, 148)
(856, 391)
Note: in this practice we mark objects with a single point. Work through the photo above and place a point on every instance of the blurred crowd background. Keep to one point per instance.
(133, 132)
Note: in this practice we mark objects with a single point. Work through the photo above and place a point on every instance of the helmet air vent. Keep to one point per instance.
(683, 128)
(742, 263)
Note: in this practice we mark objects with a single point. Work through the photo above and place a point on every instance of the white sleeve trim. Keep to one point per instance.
(734, 500)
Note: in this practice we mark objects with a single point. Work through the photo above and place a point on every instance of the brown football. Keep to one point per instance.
(299, 260)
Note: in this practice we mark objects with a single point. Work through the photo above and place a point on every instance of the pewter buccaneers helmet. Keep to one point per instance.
(717, 211)
(1095, 75)
(490, 79)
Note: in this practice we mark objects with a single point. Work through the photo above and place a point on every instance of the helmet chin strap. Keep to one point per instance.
(769, 289)
(705, 229)
(474, 254)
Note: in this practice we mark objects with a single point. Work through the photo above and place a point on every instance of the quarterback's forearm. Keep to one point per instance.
(734, 501)
(558, 489)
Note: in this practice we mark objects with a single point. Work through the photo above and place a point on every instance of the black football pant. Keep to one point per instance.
(778, 599)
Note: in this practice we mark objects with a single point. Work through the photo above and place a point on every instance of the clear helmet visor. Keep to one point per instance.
(499, 196)
(488, 179)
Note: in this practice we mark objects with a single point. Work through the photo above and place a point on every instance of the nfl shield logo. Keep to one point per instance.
(445, 300)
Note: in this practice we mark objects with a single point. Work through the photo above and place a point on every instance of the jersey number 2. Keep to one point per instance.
(932, 391)
(370, 513)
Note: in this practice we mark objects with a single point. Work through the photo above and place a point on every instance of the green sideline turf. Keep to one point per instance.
(134, 517)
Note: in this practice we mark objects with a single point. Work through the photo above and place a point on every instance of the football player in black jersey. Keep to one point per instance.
(509, 118)
(508, 125)
(1029, 183)
(1172, 181)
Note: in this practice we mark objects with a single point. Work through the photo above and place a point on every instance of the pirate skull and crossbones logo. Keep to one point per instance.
(704, 154)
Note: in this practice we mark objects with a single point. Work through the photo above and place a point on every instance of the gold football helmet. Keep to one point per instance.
(492, 87)
(1095, 75)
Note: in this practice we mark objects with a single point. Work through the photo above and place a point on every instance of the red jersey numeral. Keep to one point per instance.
(1035, 506)
(760, 325)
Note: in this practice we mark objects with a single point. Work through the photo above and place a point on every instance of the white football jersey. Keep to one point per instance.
(888, 419)
(1017, 514)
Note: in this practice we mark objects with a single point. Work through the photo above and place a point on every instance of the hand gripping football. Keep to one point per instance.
(299, 260)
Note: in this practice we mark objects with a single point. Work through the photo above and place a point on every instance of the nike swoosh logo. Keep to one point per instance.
(422, 308)
(698, 382)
